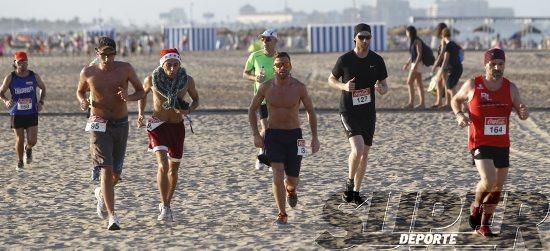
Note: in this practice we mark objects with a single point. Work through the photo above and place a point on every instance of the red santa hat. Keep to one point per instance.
(171, 53)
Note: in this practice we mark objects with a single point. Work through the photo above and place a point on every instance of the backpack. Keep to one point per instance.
(428, 58)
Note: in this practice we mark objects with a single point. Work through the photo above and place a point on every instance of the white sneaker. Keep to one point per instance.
(114, 223)
(259, 166)
(100, 208)
(165, 213)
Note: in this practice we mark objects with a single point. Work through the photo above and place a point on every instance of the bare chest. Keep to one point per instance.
(283, 97)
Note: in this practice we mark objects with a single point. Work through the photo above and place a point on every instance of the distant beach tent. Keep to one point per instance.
(100, 31)
(339, 37)
(189, 38)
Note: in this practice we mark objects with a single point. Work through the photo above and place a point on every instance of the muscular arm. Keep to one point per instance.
(381, 86)
(311, 117)
(252, 118)
(519, 106)
(5, 86)
(83, 87)
(464, 95)
(142, 103)
(42, 87)
(139, 93)
(192, 90)
(248, 75)
(335, 83)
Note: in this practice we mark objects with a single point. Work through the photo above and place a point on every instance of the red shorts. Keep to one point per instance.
(168, 137)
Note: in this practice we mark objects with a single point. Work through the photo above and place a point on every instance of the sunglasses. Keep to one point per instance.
(266, 39)
(367, 37)
(285, 65)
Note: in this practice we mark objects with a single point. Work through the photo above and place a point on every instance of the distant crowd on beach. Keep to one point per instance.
(291, 38)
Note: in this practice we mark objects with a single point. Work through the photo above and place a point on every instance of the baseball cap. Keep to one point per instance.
(20, 55)
(269, 33)
(361, 27)
(106, 43)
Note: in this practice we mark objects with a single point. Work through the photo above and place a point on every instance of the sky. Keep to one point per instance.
(147, 12)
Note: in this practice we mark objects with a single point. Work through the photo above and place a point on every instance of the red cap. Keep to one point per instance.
(20, 55)
(494, 53)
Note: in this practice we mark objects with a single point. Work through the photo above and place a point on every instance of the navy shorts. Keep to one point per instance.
(499, 155)
(359, 124)
(24, 121)
(281, 146)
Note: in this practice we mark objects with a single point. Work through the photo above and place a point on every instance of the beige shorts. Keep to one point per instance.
(422, 69)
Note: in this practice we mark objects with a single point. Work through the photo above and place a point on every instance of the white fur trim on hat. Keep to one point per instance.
(169, 56)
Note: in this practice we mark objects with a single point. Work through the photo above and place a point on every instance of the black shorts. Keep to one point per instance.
(499, 155)
(453, 78)
(281, 146)
(24, 121)
(359, 124)
(263, 111)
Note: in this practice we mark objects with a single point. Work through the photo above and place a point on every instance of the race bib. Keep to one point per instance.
(361, 97)
(96, 124)
(24, 104)
(153, 123)
(301, 147)
(495, 126)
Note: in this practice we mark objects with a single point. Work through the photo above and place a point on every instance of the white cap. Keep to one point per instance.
(269, 33)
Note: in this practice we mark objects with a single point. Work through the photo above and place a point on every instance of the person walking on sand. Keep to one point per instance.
(417, 68)
(362, 72)
(24, 105)
(451, 68)
(259, 69)
(107, 83)
(283, 141)
(491, 99)
(169, 84)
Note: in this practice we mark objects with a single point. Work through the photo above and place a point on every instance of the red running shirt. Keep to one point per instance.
(489, 115)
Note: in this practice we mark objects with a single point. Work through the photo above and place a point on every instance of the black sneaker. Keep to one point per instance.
(358, 199)
(20, 165)
(347, 196)
(28, 153)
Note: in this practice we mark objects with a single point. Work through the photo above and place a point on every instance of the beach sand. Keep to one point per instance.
(221, 201)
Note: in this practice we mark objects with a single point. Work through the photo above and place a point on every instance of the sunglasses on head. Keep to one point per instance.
(362, 37)
(285, 65)
(266, 39)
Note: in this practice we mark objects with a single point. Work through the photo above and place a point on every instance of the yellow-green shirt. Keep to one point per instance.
(254, 65)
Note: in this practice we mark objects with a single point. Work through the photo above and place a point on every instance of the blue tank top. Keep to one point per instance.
(23, 94)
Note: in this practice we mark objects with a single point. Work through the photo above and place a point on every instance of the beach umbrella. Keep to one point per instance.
(530, 29)
(484, 28)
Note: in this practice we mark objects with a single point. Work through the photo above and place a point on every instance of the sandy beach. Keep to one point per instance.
(221, 201)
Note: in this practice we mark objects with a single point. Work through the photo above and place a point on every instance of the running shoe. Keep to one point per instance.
(485, 231)
(292, 198)
(259, 166)
(475, 216)
(282, 219)
(358, 199)
(20, 166)
(347, 196)
(28, 153)
(165, 213)
(114, 223)
(100, 208)
(96, 171)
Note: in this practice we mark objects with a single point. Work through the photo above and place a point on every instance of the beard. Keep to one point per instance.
(497, 74)
(284, 75)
